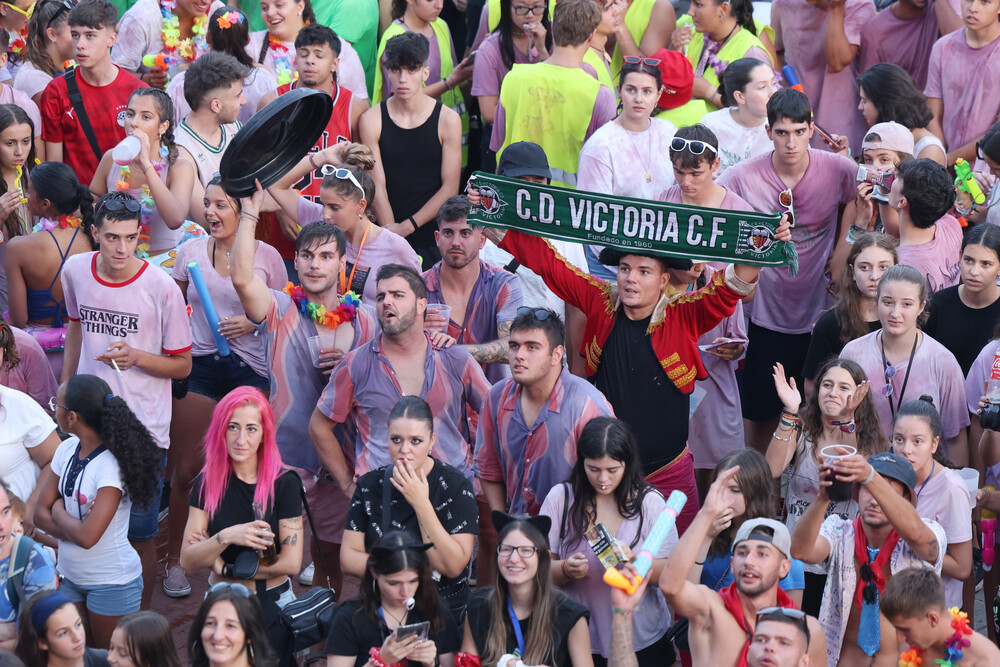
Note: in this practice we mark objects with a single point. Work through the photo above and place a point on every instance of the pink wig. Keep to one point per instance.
(218, 466)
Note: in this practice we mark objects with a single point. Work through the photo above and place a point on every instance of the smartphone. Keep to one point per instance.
(419, 629)
(826, 136)
(725, 341)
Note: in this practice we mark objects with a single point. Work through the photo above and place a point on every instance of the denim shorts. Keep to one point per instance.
(215, 376)
(143, 523)
(110, 600)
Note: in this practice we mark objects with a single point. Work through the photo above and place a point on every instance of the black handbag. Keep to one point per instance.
(309, 617)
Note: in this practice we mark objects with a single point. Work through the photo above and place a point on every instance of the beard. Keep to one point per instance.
(400, 323)
(764, 584)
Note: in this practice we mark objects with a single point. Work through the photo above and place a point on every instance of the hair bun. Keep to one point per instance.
(926, 398)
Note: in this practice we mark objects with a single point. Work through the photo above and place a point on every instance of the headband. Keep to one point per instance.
(379, 551)
(541, 522)
(44, 608)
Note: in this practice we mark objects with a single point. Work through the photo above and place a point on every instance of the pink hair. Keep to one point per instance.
(218, 466)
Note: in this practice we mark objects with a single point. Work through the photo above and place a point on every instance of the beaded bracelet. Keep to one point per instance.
(775, 436)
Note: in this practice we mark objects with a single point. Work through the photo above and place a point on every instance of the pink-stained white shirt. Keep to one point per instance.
(946, 499)
(615, 161)
(140, 32)
(32, 374)
(266, 263)
(783, 303)
(10, 95)
(30, 80)
(934, 372)
(979, 373)
(937, 260)
(954, 71)
(736, 143)
(907, 43)
(148, 312)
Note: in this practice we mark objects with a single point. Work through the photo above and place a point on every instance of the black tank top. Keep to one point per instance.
(412, 163)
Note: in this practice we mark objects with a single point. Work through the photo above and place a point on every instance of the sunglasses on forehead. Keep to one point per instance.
(635, 60)
(64, 7)
(130, 205)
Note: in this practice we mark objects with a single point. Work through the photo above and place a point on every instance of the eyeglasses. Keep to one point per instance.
(695, 146)
(889, 373)
(64, 6)
(53, 405)
(344, 175)
(506, 551)
(541, 314)
(786, 202)
(524, 11)
(25, 13)
(636, 60)
(118, 203)
(239, 589)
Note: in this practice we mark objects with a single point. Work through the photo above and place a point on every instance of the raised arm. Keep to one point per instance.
(255, 297)
(839, 51)
(784, 441)
(807, 544)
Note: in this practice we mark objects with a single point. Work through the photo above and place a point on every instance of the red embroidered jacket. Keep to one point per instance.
(677, 322)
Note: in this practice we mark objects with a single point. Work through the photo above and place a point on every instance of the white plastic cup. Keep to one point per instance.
(971, 478)
(319, 343)
(126, 151)
(839, 491)
(440, 310)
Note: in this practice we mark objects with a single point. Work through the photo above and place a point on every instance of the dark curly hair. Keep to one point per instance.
(8, 345)
(122, 433)
(870, 438)
(895, 96)
(605, 436)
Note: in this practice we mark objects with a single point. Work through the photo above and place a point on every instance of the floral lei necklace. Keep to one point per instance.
(347, 309)
(62, 222)
(952, 647)
(189, 48)
(20, 41)
(282, 56)
(145, 201)
(710, 58)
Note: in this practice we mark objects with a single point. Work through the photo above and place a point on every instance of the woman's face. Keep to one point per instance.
(515, 568)
(430, 10)
(244, 434)
(15, 144)
(993, 165)
(899, 306)
(63, 39)
(604, 474)
(913, 440)
(62, 415)
(732, 496)
(394, 589)
(611, 17)
(867, 109)
(221, 214)
(222, 636)
(835, 392)
(980, 268)
(64, 634)
(881, 159)
(410, 440)
(524, 6)
(639, 95)
(706, 14)
(759, 90)
(283, 18)
(141, 114)
(35, 205)
(868, 268)
(118, 653)
(340, 211)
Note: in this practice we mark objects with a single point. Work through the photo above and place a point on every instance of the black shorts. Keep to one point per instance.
(766, 347)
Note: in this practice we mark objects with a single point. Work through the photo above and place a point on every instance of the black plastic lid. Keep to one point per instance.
(274, 140)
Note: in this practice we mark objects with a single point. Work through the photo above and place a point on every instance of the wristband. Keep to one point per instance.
(871, 474)
(414, 223)
(699, 563)
(447, 86)
(565, 573)
(312, 161)
(623, 612)
(255, 218)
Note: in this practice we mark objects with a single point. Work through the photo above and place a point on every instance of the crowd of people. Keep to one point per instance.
(480, 421)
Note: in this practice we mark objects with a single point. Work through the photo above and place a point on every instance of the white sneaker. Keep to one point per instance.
(306, 577)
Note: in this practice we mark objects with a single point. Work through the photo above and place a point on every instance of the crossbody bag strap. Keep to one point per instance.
(387, 500)
(73, 90)
(312, 529)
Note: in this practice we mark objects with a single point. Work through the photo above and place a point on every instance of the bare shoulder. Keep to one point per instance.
(983, 652)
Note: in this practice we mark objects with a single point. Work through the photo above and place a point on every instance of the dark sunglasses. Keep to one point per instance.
(239, 589)
(130, 205)
(636, 60)
(540, 314)
(788, 612)
(64, 7)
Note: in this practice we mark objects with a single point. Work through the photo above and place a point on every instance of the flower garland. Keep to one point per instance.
(282, 56)
(952, 647)
(18, 43)
(189, 48)
(710, 57)
(346, 310)
(229, 19)
(62, 222)
(145, 201)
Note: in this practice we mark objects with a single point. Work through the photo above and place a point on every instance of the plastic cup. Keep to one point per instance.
(317, 344)
(840, 491)
(971, 478)
(440, 310)
(126, 151)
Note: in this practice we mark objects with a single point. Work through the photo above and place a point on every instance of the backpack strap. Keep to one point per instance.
(73, 90)
(565, 513)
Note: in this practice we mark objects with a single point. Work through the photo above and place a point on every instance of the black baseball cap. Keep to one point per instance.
(894, 467)
(524, 158)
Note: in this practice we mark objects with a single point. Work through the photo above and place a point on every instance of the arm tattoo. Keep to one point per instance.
(934, 550)
(622, 650)
(218, 537)
(495, 351)
(291, 540)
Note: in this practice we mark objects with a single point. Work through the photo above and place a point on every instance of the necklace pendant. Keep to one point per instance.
(649, 177)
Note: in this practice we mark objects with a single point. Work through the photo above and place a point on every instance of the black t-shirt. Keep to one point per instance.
(237, 506)
(353, 633)
(963, 330)
(450, 494)
(635, 384)
(568, 612)
(95, 657)
(826, 343)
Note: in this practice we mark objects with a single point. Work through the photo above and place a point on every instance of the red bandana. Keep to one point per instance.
(731, 598)
(861, 553)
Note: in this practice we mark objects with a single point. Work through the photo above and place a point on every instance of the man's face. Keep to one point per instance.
(459, 243)
(871, 513)
(640, 281)
(407, 82)
(229, 101)
(319, 267)
(919, 632)
(117, 240)
(778, 644)
(531, 356)
(91, 45)
(397, 306)
(980, 14)
(758, 567)
(316, 65)
(6, 521)
(791, 140)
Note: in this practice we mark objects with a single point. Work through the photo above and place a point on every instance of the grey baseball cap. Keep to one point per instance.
(780, 538)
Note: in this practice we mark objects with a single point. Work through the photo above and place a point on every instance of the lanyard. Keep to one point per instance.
(357, 258)
(74, 471)
(906, 378)
(517, 626)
